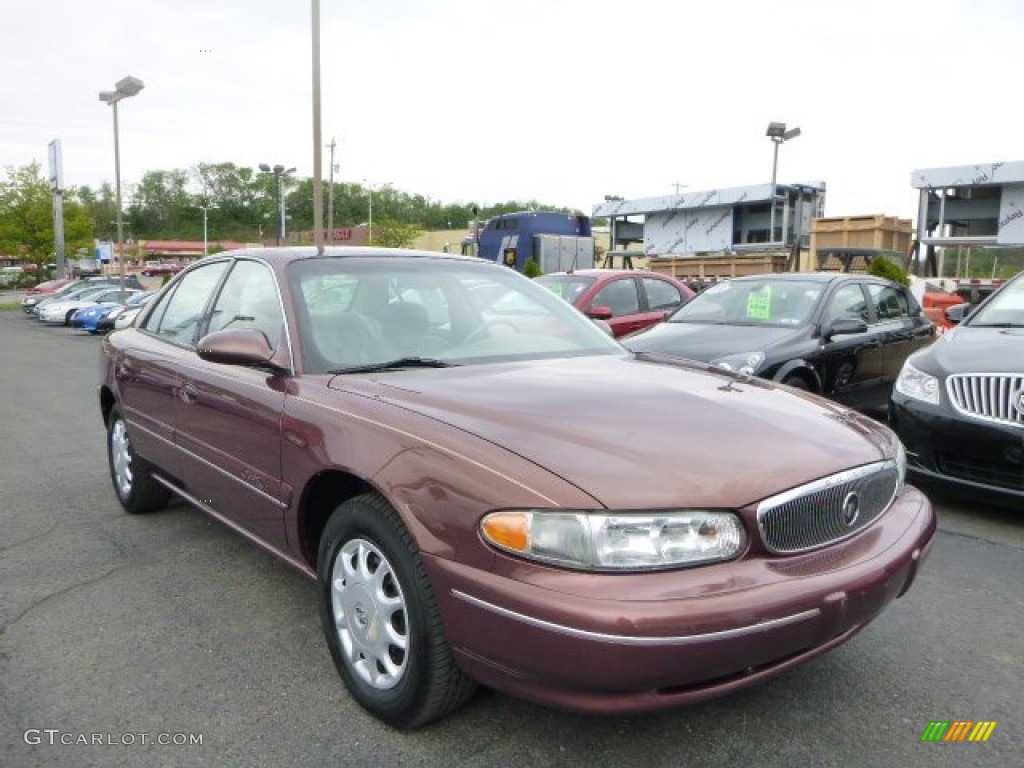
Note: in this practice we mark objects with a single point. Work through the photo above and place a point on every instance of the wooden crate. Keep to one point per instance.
(878, 233)
(701, 267)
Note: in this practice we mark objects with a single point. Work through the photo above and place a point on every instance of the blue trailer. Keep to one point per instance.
(557, 241)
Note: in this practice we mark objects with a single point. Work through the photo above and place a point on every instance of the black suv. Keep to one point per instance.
(841, 335)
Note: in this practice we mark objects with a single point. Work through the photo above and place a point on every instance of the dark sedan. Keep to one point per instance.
(472, 509)
(840, 335)
(958, 406)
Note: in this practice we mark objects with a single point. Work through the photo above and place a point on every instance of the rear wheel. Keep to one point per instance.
(381, 618)
(131, 475)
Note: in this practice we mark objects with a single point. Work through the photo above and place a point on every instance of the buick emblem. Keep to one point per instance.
(1018, 402)
(851, 509)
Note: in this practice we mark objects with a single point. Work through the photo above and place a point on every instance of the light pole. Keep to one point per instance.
(280, 172)
(125, 88)
(204, 209)
(369, 215)
(778, 134)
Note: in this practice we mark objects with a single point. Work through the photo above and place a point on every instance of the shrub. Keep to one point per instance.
(532, 269)
(883, 267)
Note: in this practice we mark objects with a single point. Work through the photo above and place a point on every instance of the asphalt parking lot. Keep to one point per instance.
(169, 627)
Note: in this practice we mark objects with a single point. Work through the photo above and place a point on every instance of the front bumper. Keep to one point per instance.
(620, 643)
(972, 454)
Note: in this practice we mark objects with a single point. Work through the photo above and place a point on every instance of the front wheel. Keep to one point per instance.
(131, 475)
(381, 618)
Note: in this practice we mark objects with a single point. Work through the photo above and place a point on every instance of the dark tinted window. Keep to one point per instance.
(661, 294)
(619, 296)
(890, 302)
(848, 303)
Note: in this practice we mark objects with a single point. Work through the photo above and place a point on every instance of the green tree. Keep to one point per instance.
(26, 217)
(391, 233)
(883, 267)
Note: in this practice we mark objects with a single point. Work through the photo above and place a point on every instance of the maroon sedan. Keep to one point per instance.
(627, 299)
(447, 467)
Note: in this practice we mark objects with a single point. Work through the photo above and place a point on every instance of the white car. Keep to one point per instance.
(61, 311)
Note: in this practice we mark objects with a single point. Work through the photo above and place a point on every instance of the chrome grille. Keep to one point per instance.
(993, 396)
(827, 510)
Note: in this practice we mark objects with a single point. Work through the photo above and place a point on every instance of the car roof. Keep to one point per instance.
(601, 272)
(815, 277)
(296, 253)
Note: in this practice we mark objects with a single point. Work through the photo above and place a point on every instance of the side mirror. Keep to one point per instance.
(846, 326)
(958, 312)
(236, 347)
(600, 313)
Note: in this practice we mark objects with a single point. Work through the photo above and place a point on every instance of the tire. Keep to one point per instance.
(387, 640)
(797, 382)
(131, 475)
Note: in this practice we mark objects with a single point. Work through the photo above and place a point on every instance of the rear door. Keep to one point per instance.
(148, 372)
(903, 327)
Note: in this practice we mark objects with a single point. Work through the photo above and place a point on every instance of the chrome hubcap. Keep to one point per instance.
(369, 614)
(120, 453)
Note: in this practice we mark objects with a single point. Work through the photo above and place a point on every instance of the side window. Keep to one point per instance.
(619, 296)
(178, 318)
(848, 303)
(890, 303)
(249, 300)
(661, 294)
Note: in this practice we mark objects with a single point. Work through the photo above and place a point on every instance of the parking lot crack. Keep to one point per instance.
(59, 593)
(31, 539)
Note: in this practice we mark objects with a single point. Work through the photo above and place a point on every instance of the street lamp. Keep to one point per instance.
(280, 172)
(777, 133)
(125, 88)
(369, 219)
(204, 209)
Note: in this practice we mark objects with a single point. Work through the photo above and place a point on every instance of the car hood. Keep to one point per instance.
(635, 433)
(967, 349)
(705, 342)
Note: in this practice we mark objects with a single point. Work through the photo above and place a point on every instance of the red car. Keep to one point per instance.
(158, 269)
(50, 286)
(430, 439)
(627, 299)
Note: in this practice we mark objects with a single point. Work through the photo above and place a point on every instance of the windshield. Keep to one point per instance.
(753, 302)
(358, 314)
(1005, 308)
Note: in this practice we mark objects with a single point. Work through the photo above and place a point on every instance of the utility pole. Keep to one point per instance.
(330, 196)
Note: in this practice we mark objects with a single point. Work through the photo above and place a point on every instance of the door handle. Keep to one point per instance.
(188, 393)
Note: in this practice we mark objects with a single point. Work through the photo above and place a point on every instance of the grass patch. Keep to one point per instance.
(10, 305)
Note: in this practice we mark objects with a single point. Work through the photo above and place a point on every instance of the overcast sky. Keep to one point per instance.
(563, 101)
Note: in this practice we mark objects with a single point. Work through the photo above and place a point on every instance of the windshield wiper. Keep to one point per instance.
(395, 365)
(997, 325)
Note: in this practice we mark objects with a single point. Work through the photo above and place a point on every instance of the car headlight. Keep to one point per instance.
(746, 363)
(918, 384)
(617, 541)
